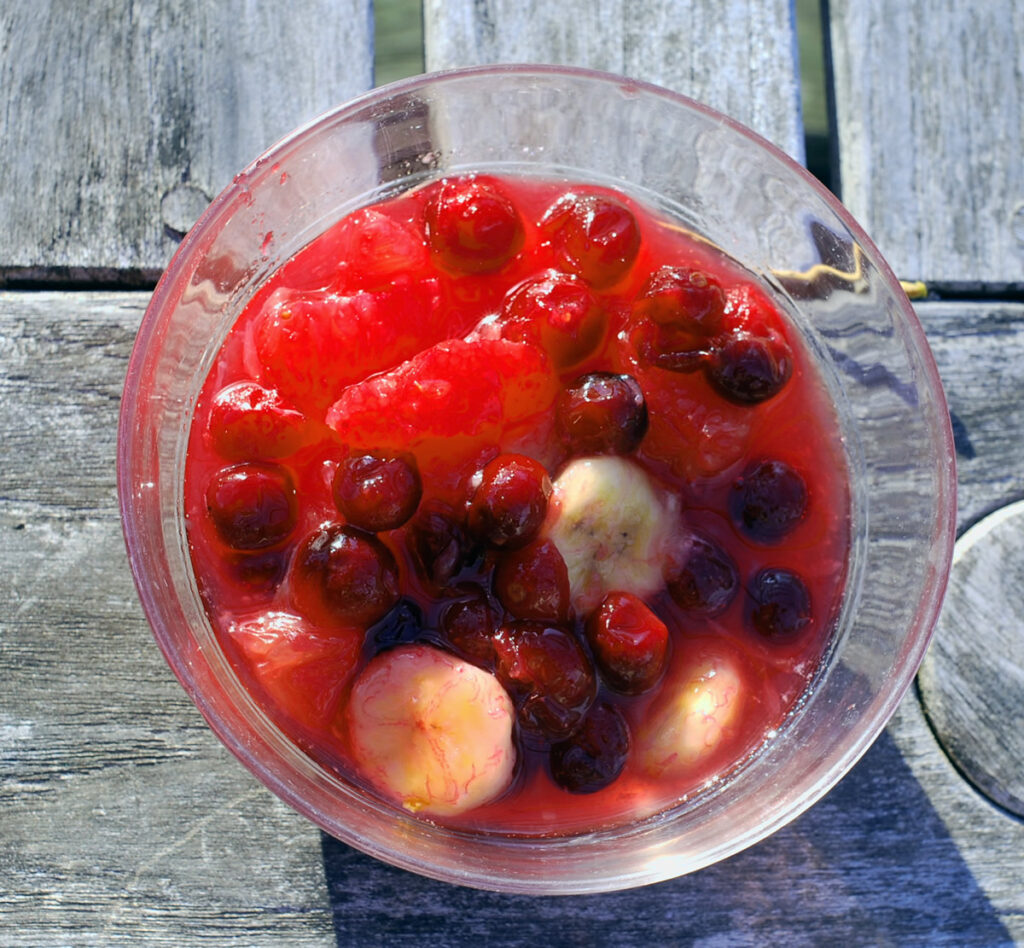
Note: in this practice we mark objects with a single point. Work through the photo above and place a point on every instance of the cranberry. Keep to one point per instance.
(437, 543)
(343, 575)
(468, 626)
(602, 413)
(558, 312)
(780, 607)
(402, 624)
(509, 504)
(253, 506)
(703, 579)
(629, 643)
(250, 422)
(548, 675)
(594, 756)
(750, 369)
(533, 583)
(595, 236)
(377, 491)
(472, 227)
(768, 500)
(683, 299)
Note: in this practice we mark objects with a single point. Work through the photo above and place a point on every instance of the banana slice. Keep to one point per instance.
(691, 720)
(431, 731)
(612, 527)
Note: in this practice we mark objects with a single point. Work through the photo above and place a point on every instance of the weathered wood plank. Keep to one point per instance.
(972, 680)
(974, 346)
(121, 121)
(126, 822)
(929, 103)
(124, 819)
(737, 56)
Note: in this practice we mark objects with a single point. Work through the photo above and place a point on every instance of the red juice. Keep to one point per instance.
(526, 465)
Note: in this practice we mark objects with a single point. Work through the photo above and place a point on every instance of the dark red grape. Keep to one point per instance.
(780, 605)
(595, 236)
(341, 575)
(602, 413)
(438, 544)
(253, 506)
(533, 583)
(629, 643)
(509, 504)
(472, 227)
(468, 625)
(376, 491)
(594, 756)
(768, 500)
(750, 369)
(702, 578)
(548, 675)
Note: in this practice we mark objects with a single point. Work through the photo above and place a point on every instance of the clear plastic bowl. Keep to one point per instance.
(724, 182)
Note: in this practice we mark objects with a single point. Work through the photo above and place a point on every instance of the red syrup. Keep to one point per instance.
(583, 454)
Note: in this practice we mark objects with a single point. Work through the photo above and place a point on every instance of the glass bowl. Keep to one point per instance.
(723, 182)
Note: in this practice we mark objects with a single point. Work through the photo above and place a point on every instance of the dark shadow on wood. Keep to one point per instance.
(872, 863)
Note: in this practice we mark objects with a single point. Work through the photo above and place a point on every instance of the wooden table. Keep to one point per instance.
(124, 821)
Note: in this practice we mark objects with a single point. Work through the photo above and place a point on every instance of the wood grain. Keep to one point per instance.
(973, 344)
(929, 106)
(972, 680)
(127, 118)
(125, 822)
(737, 56)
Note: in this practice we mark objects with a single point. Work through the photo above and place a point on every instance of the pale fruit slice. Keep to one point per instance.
(612, 527)
(431, 731)
(693, 719)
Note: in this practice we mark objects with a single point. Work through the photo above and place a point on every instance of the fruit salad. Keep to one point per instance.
(519, 506)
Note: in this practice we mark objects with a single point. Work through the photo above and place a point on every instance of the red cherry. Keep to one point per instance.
(548, 675)
(472, 227)
(251, 423)
(377, 491)
(749, 369)
(594, 756)
(533, 583)
(602, 413)
(509, 504)
(558, 312)
(702, 578)
(341, 575)
(629, 642)
(468, 625)
(253, 506)
(595, 236)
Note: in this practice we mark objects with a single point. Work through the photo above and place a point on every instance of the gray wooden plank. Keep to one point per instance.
(120, 121)
(974, 344)
(972, 680)
(126, 822)
(929, 105)
(738, 57)
(124, 819)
